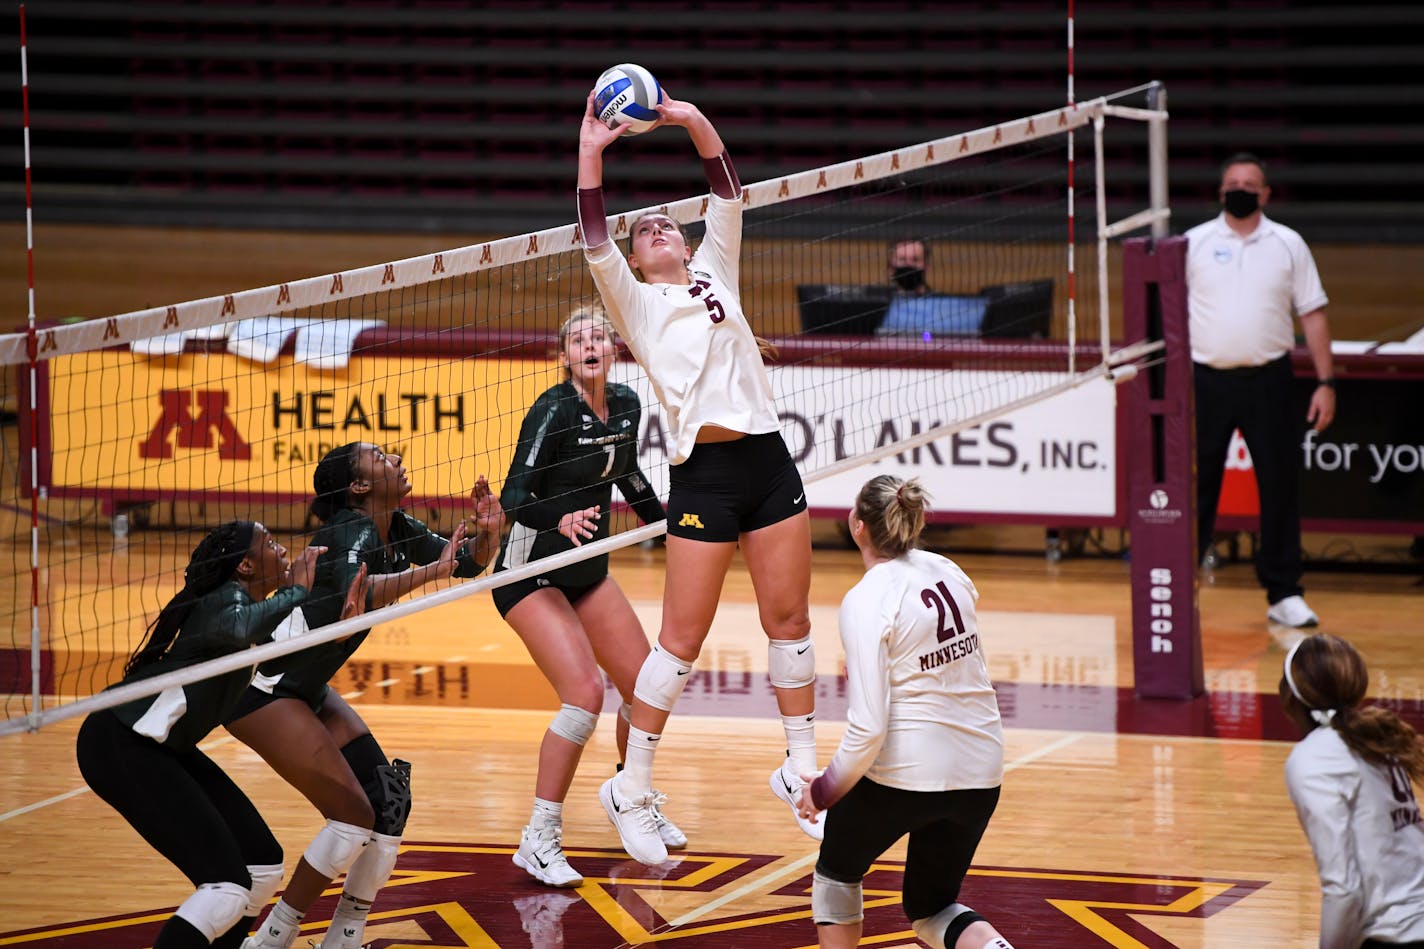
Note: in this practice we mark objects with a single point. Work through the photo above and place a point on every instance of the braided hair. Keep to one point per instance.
(212, 564)
(332, 481)
(1326, 677)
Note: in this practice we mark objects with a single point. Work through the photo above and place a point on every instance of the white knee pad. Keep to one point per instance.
(931, 930)
(335, 847)
(661, 679)
(791, 663)
(574, 724)
(266, 881)
(214, 907)
(373, 868)
(835, 902)
(625, 712)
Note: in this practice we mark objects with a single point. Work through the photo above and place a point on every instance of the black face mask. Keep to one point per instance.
(1241, 203)
(909, 278)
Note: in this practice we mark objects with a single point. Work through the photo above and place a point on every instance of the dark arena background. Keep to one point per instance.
(184, 155)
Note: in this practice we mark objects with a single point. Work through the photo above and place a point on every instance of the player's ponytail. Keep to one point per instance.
(212, 564)
(332, 480)
(1325, 677)
(893, 511)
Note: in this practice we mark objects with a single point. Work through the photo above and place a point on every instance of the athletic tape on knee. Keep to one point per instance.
(625, 712)
(214, 907)
(661, 679)
(373, 868)
(335, 847)
(943, 928)
(574, 724)
(266, 881)
(388, 790)
(835, 902)
(791, 664)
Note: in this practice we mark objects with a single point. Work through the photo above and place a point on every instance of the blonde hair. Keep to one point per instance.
(893, 511)
(594, 313)
(1328, 675)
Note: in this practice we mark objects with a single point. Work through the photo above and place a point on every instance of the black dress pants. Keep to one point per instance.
(1257, 400)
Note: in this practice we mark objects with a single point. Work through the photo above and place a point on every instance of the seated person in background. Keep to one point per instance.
(907, 260)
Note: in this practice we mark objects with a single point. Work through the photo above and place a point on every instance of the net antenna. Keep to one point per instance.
(445, 352)
(36, 649)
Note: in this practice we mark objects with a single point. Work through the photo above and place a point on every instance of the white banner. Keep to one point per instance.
(1054, 457)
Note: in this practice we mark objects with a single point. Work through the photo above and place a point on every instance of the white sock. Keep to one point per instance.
(363, 881)
(279, 928)
(998, 942)
(637, 774)
(348, 923)
(547, 813)
(801, 741)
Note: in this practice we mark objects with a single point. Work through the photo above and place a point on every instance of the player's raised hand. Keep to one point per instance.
(594, 136)
(355, 603)
(579, 526)
(303, 570)
(445, 566)
(677, 111)
(487, 521)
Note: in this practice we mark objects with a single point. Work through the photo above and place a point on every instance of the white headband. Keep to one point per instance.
(1321, 716)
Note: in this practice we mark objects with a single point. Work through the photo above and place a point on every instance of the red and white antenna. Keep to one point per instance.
(35, 650)
(1072, 270)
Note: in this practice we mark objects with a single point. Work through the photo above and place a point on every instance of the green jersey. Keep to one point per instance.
(351, 539)
(225, 621)
(569, 459)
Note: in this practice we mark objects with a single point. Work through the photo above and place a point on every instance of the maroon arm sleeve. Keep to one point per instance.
(722, 176)
(593, 217)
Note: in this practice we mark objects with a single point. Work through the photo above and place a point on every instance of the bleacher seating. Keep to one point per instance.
(383, 97)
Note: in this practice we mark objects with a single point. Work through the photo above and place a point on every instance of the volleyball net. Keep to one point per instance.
(188, 415)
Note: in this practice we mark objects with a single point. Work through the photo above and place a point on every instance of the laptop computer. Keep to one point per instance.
(846, 308)
(1022, 310)
(936, 314)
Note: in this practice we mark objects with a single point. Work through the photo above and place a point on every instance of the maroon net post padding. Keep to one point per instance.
(1161, 476)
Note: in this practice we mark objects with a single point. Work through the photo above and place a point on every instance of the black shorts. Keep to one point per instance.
(253, 698)
(944, 827)
(506, 597)
(725, 489)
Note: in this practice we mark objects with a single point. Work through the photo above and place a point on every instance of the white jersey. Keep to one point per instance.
(1243, 292)
(922, 715)
(693, 341)
(1364, 827)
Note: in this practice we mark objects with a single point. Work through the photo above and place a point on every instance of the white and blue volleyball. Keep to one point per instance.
(627, 93)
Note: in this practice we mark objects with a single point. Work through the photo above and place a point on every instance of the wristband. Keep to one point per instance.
(1327, 383)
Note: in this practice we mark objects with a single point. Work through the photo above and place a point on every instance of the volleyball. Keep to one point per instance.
(627, 93)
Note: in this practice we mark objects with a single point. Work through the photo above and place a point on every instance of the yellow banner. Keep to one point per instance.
(138, 426)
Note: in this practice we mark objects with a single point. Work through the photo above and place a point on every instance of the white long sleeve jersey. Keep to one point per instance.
(922, 713)
(693, 340)
(1363, 824)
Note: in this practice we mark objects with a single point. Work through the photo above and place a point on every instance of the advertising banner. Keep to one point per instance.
(127, 426)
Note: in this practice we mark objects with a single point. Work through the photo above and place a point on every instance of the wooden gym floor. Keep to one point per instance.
(1123, 823)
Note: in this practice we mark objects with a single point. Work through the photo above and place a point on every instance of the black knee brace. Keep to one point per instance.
(387, 785)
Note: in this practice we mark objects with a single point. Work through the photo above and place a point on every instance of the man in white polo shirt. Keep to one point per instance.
(1247, 277)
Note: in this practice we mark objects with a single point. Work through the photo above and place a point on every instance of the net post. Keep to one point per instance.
(1157, 156)
(1161, 476)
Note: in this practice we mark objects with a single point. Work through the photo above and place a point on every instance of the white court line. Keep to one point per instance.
(58, 798)
(761, 883)
(1051, 747)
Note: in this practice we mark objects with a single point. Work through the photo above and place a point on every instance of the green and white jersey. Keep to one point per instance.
(350, 539)
(569, 459)
(225, 621)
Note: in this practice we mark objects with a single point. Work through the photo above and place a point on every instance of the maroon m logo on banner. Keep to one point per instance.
(194, 432)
